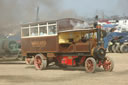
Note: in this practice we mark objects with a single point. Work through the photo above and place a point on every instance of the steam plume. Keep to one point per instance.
(15, 12)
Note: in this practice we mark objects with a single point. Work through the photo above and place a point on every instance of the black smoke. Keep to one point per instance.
(16, 12)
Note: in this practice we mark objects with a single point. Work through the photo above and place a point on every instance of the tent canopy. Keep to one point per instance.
(108, 26)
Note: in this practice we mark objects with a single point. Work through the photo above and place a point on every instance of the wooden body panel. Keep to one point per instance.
(50, 45)
(78, 47)
(39, 45)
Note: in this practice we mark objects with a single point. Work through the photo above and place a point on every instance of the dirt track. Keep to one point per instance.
(21, 74)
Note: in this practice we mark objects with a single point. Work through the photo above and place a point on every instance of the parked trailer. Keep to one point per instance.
(62, 42)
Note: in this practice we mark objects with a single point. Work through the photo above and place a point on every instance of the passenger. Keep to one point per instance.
(33, 34)
(41, 33)
(85, 38)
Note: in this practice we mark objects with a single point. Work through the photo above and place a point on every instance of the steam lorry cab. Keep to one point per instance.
(64, 42)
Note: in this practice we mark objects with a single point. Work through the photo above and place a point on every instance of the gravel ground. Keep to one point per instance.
(18, 73)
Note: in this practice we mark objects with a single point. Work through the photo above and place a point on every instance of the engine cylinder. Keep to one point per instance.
(99, 53)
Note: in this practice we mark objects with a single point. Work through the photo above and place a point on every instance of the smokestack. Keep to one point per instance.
(37, 14)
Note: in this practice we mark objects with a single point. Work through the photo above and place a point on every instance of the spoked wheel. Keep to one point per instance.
(90, 65)
(108, 64)
(40, 62)
(110, 49)
(114, 48)
(124, 48)
(118, 48)
(29, 61)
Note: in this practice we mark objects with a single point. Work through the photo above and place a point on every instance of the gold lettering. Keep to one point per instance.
(38, 43)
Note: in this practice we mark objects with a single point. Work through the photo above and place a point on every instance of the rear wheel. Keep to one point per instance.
(90, 65)
(29, 61)
(108, 64)
(40, 62)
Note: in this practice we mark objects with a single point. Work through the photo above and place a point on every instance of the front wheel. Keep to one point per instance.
(108, 64)
(90, 65)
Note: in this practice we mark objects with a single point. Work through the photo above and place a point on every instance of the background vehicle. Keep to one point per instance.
(9, 49)
(124, 44)
(64, 43)
(119, 45)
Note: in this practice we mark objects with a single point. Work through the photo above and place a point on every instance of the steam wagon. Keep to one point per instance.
(67, 42)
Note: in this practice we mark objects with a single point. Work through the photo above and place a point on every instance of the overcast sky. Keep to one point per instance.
(89, 7)
(18, 11)
(15, 12)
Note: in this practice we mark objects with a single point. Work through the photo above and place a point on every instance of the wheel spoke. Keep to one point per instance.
(39, 62)
(90, 65)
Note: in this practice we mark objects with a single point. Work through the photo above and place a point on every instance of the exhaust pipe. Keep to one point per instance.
(98, 35)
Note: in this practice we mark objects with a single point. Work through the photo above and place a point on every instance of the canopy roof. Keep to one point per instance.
(108, 26)
(65, 24)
